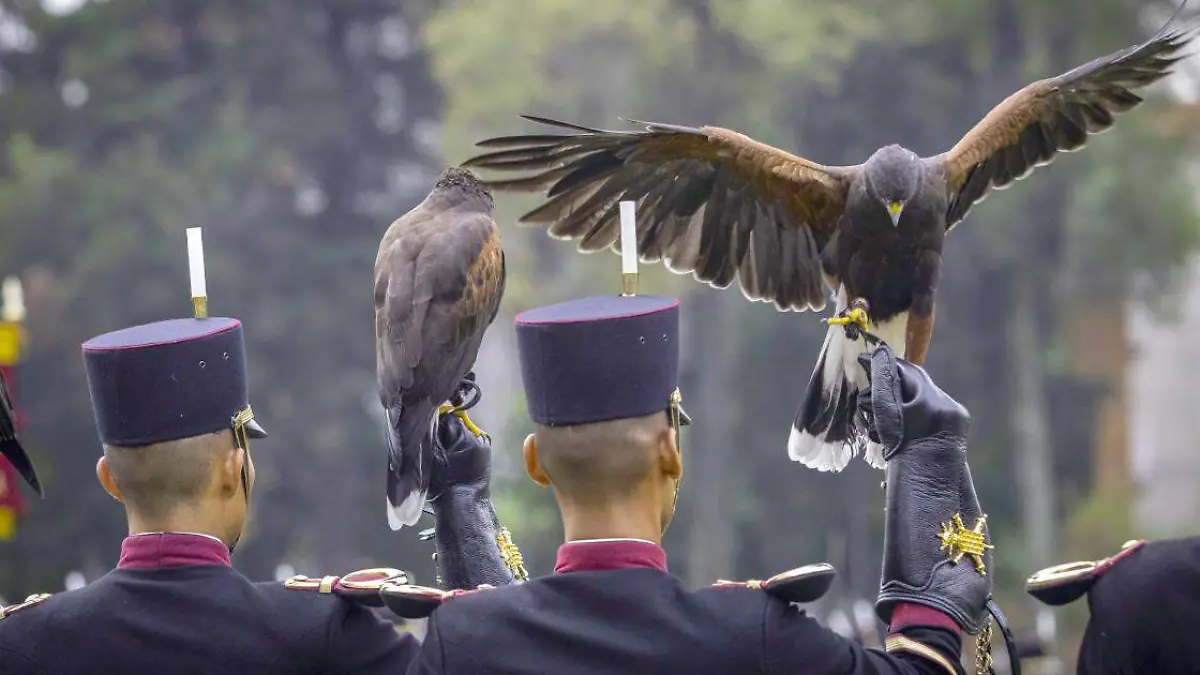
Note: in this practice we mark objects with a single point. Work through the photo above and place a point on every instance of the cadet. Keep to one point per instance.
(600, 378)
(171, 405)
(1143, 600)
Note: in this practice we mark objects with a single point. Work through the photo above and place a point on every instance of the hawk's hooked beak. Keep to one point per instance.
(894, 209)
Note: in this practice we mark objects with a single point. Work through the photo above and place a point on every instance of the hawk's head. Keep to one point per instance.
(464, 181)
(893, 174)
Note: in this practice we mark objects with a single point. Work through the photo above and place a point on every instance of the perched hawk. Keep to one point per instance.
(439, 276)
(10, 446)
(722, 206)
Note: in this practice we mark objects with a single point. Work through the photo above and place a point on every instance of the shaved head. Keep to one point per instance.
(602, 460)
(154, 480)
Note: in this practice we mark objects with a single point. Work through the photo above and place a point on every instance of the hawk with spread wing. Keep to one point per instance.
(439, 277)
(721, 206)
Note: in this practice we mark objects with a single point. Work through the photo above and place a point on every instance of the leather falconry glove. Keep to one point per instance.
(936, 550)
(467, 533)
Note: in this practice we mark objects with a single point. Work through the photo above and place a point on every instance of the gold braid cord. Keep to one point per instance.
(983, 650)
(242, 438)
(239, 422)
(511, 554)
(674, 402)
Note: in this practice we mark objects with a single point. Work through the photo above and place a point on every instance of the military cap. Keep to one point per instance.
(600, 358)
(169, 380)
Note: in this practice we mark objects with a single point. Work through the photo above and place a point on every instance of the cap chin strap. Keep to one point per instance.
(673, 406)
(241, 439)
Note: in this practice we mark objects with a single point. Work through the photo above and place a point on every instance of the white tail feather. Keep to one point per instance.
(407, 513)
(841, 377)
(874, 455)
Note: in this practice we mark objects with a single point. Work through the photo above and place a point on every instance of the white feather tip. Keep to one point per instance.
(407, 513)
(815, 453)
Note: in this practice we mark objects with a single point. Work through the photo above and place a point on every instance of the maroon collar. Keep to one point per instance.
(154, 550)
(594, 555)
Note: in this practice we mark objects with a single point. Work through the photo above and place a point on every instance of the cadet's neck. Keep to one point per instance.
(613, 520)
(195, 520)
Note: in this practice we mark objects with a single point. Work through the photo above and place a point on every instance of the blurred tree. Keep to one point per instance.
(294, 132)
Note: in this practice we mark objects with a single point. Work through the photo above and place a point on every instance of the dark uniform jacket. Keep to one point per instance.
(174, 606)
(613, 608)
(1145, 606)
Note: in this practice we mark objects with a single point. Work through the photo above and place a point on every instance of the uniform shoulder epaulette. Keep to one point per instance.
(409, 601)
(803, 584)
(361, 586)
(35, 599)
(1061, 584)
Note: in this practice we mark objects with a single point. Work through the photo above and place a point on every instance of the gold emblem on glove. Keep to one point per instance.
(958, 541)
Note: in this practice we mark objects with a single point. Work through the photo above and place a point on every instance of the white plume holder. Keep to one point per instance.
(13, 299)
(629, 255)
(195, 248)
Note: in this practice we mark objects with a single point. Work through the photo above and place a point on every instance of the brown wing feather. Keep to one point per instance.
(1030, 127)
(710, 202)
(486, 277)
(438, 288)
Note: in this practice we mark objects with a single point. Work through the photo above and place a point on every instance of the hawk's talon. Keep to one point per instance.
(466, 419)
(853, 320)
(468, 394)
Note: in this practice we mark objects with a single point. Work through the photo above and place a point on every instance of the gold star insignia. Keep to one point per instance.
(958, 541)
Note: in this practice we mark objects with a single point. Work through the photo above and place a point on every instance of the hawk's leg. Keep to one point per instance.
(854, 319)
(462, 415)
(917, 336)
(464, 399)
(919, 325)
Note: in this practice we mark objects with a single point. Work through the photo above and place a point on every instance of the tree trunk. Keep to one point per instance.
(1100, 349)
(1031, 432)
(708, 444)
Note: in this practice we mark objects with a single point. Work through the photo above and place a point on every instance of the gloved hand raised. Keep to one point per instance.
(928, 559)
(466, 528)
(460, 458)
(904, 405)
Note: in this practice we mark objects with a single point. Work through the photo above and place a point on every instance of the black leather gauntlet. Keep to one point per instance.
(936, 546)
(467, 533)
(930, 521)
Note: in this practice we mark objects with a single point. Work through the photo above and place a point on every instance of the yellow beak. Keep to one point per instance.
(894, 209)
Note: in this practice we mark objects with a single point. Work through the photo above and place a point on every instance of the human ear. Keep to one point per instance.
(104, 474)
(532, 466)
(229, 479)
(670, 461)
